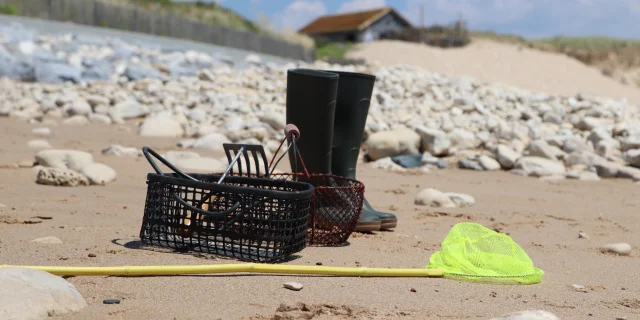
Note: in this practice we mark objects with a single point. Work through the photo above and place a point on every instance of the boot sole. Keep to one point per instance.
(388, 224)
(368, 226)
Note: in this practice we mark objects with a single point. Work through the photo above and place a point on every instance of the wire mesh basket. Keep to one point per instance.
(247, 218)
(337, 201)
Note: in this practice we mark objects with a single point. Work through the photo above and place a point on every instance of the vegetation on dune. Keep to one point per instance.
(9, 9)
(332, 50)
(213, 13)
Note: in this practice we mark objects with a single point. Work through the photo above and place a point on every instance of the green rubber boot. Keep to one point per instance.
(311, 106)
(352, 108)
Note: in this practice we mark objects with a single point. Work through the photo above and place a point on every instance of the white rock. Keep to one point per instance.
(41, 131)
(160, 127)
(507, 157)
(100, 118)
(400, 141)
(76, 120)
(461, 200)
(80, 107)
(129, 109)
(99, 173)
(295, 286)
(121, 151)
(539, 167)
(39, 144)
(64, 159)
(633, 157)
(387, 164)
(35, 294)
(212, 141)
(434, 141)
(623, 249)
(434, 198)
(47, 240)
(276, 120)
(61, 177)
(488, 163)
(529, 315)
(540, 148)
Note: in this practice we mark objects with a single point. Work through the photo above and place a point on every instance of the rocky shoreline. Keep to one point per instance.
(206, 102)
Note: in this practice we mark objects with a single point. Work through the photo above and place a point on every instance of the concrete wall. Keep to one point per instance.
(102, 14)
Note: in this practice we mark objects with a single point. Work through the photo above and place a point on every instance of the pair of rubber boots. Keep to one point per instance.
(330, 108)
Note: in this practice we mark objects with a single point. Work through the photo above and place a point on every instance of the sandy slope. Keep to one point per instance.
(543, 217)
(496, 62)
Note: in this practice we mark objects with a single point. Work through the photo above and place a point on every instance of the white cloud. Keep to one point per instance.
(361, 5)
(299, 13)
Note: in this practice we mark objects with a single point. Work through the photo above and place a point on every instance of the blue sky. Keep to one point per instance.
(529, 18)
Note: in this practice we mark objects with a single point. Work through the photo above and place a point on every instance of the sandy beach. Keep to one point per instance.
(544, 217)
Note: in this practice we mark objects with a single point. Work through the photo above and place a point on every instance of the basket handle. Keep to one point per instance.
(291, 133)
(148, 152)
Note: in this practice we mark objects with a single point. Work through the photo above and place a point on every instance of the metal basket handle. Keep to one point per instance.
(148, 152)
(291, 134)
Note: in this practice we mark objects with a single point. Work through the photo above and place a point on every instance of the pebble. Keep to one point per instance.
(623, 249)
(469, 164)
(160, 127)
(583, 235)
(434, 198)
(461, 199)
(41, 131)
(528, 315)
(295, 286)
(121, 151)
(39, 144)
(111, 301)
(64, 159)
(488, 163)
(47, 240)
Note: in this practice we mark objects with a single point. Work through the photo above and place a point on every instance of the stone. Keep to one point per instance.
(528, 315)
(506, 157)
(469, 164)
(129, 109)
(79, 107)
(99, 173)
(540, 148)
(39, 144)
(41, 131)
(61, 177)
(76, 120)
(212, 141)
(539, 167)
(99, 119)
(276, 120)
(35, 294)
(47, 240)
(461, 200)
(488, 163)
(295, 286)
(434, 141)
(387, 164)
(121, 151)
(434, 198)
(160, 127)
(64, 159)
(632, 156)
(623, 249)
(400, 141)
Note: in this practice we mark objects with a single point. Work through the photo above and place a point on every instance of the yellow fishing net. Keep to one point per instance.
(474, 253)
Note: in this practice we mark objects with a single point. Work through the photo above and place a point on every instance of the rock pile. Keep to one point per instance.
(453, 120)
(71, 168)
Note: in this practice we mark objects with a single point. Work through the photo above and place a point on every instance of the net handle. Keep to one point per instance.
(148, 152)
(291, 133)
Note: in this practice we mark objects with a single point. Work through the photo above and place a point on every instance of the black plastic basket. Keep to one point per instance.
(250, 219)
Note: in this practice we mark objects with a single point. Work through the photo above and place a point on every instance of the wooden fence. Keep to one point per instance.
(102, 14)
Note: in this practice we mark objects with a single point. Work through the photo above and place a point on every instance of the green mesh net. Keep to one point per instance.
(472, 252)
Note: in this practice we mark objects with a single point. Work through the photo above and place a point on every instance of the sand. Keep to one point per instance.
(491, 61)
(543, 217)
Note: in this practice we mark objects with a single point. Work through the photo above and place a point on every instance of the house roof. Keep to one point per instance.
(347, 22)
